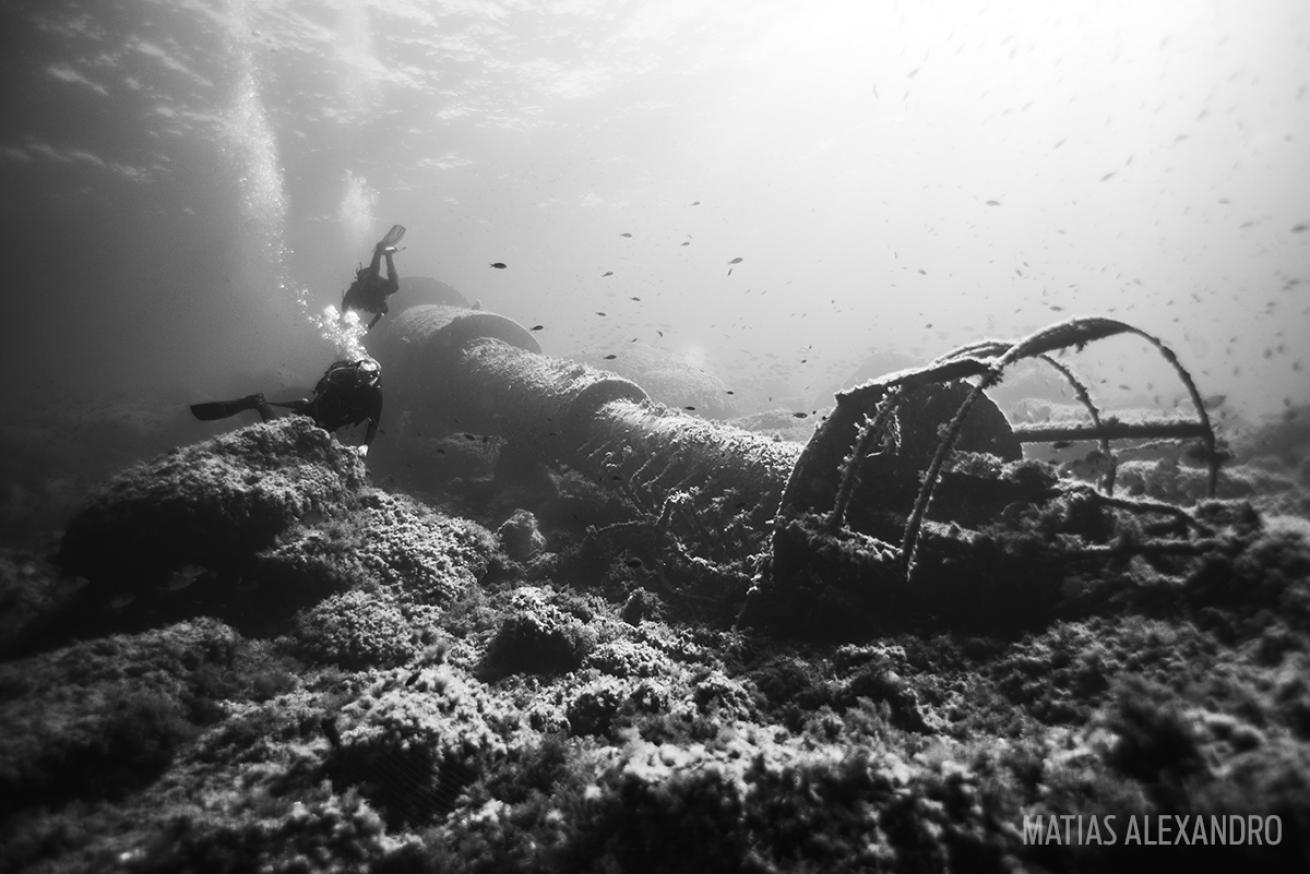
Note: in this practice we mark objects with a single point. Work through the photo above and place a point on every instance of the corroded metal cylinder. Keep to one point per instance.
(544, 404)
(470, 370)
(654, 453)
(418, 346)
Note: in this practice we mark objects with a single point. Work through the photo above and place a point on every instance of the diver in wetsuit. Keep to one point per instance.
(349, 392)
(369, 291)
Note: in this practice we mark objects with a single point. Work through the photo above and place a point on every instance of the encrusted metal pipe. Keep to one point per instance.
(480, 372)
(477, 371)
(848, 513)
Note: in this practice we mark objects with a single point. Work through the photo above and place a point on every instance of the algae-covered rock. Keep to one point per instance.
(98, 719)
(520, 537)
(411, 749)
(391, 541)
(356, 630)
(214, 503)
(32, 599)
(629, 658)
(537, 637)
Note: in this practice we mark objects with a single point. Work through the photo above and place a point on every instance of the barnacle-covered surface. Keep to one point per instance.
(546, 403)
(429, 703)
(389, 541)
(217, 502)
(712, 482)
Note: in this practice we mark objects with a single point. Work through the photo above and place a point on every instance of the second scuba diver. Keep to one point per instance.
(369, 291)
(348, 393)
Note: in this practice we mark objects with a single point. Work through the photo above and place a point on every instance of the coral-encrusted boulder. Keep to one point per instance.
(215, 503)
(101, 718)
(412, 749)
(356, 630)
(538, 637)
(520, 537)
(417, 555)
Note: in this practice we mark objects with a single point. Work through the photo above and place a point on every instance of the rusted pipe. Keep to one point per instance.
(1045, 432)
(653, 453)
(476, 371)
(480, 372)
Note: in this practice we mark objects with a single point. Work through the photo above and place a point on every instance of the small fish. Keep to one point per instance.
(610, 357)
(499, 265)
(731, 392)
(993, 203)
(537, 327)
(1296, 229)
(413, 678)
(183, 577)
(607, 273)
(693, 409)
(735, 261)
(695, 203)
(599, 313)
(120, 602)
(634, 297)
(633, 562)
(800, 415)
(1061, 444)
(470, 436)
(684, 243)
(1212, 401)
(625, 234)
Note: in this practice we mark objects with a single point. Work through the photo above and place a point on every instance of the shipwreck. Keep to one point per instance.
(911, 498)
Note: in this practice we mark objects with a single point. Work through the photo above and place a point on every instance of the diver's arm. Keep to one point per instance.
(374, 416)
(393, 281)
(301, 406)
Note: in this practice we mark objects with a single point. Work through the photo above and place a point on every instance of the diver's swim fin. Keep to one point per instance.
(208, 412)
(393, 236)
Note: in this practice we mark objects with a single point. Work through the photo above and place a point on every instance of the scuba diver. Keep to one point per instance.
(349, 392)
(369, 291)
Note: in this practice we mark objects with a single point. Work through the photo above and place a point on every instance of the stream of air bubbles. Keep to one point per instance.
(253, 143)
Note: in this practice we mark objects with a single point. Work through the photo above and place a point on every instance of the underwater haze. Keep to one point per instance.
(772, 190)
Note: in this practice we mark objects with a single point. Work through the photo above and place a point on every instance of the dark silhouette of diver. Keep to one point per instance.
(369, 291)
(349, 392)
